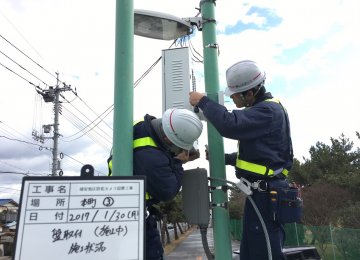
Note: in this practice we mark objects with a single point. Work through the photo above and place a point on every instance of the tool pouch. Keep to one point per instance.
(286, 204)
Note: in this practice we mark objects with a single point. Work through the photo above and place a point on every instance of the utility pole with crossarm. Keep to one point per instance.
(52, 95)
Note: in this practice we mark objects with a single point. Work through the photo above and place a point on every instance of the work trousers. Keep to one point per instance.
(253, 243)
(154, 249)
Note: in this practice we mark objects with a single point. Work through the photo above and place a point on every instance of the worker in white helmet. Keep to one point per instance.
(161, 147)
(264, 154)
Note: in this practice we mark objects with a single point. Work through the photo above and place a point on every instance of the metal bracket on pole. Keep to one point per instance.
(224, 188)
(222, 205)
(214, 46)
(194, 21)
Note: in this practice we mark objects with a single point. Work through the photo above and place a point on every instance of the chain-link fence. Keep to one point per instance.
(332, 243)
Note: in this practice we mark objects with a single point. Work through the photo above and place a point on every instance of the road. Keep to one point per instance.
(192, 247)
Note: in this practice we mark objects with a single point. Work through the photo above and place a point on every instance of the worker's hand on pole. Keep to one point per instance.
(194, 98)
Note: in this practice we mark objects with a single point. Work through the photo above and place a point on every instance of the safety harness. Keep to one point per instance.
(261, 169)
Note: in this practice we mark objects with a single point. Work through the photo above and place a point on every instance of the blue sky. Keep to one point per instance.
(309, 50)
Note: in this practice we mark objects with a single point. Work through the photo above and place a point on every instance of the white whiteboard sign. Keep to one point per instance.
(81, 218)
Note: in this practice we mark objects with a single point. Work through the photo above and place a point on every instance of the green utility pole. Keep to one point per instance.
(123, 89)
(222, 241)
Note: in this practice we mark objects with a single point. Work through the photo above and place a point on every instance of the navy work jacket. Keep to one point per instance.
(262, 130)
(163, 172)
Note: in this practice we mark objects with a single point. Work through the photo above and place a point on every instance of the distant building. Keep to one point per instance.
(8, 210)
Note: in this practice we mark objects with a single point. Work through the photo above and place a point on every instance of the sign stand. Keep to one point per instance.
(85, 217)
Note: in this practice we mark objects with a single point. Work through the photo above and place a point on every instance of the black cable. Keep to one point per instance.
(23, 68)
(21, 141)
(81, 125)
(27, 56)
(90, 135)
(37, 87)
(22, 173)
(86, 132)
(91, 122)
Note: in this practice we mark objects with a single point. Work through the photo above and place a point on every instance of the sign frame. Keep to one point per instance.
(110, 222)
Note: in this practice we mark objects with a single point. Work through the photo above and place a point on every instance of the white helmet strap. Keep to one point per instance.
(261, 85)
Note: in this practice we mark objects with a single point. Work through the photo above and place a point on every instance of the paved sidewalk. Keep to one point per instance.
(192, 248)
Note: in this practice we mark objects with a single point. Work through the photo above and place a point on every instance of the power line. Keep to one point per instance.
(37, 87)
(23, 68)
(26, 142)
(22, 173)
(93, 123)
(27, 56)
(22, 36)
(14, 139)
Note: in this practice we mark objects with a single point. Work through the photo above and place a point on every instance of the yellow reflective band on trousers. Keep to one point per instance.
(257, 168)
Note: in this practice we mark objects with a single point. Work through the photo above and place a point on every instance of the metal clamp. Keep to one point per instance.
(245, 186)
(223, 188)
(213, 45)
(257, 185)
(222, 205)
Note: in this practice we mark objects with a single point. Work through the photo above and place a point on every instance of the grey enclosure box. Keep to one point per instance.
(176, 76)
(195, 193)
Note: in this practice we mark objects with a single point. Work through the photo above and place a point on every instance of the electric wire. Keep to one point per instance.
(37, 87)
(90, 129)
(14, 130)
(76, 94)
(13, 166)
(22, 67)
(90, 135)
(72, 158)
(99, 173)
(181, 42)
(80, 125)
(136, 83)
(27, 56)
(91, 121)
(22, 36)
(195, 58)
(23, 173)
(26, 142)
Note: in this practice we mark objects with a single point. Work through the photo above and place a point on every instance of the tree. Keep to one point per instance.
(331, 178)
(174, 214)
(322, 201)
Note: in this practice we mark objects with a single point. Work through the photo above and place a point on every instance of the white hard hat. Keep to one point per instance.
(182, 126)
(242, 76)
